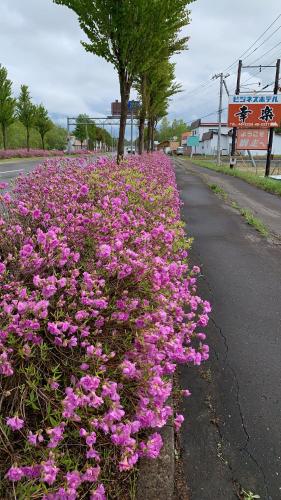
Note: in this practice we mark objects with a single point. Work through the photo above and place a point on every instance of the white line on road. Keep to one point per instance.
(11, 171)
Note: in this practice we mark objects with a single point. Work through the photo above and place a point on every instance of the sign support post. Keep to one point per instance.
(234, 130)
(271, 132)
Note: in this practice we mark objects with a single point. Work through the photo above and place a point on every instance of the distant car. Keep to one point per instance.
(131, 150)
(179, 151)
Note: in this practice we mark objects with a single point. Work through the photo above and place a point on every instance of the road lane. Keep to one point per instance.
(9, 171)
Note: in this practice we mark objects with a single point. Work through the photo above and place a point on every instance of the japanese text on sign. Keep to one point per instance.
(254, 111)
(252, 139)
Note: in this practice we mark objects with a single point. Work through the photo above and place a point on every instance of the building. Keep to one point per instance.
(207, 133)
(184, 137)
(168, 146)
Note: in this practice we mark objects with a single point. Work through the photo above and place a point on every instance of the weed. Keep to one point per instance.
(249, 495)
(265, 183)
(218, 191)
(254, 221)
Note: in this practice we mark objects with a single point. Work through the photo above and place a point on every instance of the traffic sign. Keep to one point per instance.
(133, 105)
(254, 111)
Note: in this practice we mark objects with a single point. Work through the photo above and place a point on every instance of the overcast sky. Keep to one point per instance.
(40, 46)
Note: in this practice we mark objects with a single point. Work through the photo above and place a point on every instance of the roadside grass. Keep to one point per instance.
(269, 185)
(246, 213)
(254, 221)
(218, 191)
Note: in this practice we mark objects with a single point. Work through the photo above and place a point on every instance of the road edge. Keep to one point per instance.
(157, 477)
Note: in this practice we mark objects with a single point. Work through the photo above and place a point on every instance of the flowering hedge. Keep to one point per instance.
(97, 307)
(6, 154)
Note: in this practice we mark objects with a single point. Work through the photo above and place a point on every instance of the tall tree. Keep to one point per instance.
(160, 87)
(26, 112)
(42, 122)
(126, 34)
(7, 104)
(81, 131)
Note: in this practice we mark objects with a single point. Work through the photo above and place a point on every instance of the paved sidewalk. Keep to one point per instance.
(231, 435)
(265, 206)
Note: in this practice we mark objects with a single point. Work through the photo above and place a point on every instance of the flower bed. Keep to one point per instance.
(24, 153)
(98, 306)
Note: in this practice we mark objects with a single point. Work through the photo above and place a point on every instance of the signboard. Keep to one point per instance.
(116, 107)
(133, 105)
(254, 111)
(252, 139)
(193, 140)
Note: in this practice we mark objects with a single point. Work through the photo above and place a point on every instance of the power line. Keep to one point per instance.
(205, 116)
(264, 54)
(206, 84)
(253, 44)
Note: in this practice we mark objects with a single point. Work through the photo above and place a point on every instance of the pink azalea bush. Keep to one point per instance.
(98, 305)
(6, 154)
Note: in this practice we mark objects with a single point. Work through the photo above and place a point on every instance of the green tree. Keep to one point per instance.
(126, 34)
(56, 138)
(161, 86)
(7, 104)
(26, 112)
(42, 122)
(81, 132)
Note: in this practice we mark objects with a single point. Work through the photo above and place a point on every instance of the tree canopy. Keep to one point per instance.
(7, 104)
(42, 122)
(130, 34)
(26, 112)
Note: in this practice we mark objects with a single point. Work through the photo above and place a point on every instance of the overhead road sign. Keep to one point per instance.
(254, 111)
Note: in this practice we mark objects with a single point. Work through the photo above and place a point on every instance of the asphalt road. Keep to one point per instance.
(10, 170)
(231, 435)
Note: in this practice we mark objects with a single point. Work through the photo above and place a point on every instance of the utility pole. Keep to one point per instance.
(221, 76)
(234, 130)
(271, 132)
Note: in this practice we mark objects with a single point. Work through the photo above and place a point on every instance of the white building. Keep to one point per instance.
(207, 134)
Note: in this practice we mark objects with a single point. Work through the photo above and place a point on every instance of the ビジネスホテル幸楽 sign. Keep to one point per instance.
(254, 111)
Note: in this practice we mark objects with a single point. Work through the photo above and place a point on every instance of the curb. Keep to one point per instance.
(156, 477)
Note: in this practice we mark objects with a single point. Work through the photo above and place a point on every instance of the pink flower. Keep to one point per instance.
(84, 190)
(178, 421)
(2, 268)
(128, 369)
(91, 474)
(98, 493)
(15, 423)
(104, 251)
(15, 474)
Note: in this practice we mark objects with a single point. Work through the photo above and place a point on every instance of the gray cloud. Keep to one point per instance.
(40, 46)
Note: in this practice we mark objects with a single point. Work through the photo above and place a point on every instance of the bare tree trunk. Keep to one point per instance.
(125, 94)
(4, 136)
(27, 138)
(141, 132)
(149, 125)
(43, 142)
(152, 135)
